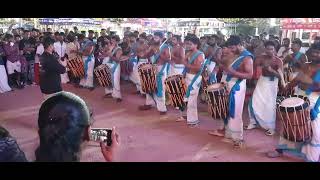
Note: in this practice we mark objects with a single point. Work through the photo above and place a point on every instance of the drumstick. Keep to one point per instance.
(282, 78)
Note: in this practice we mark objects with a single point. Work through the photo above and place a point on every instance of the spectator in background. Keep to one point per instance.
(27, 47)
(11, 51)
(91, 35)
(56, 34)
(39, 51)
(50, 79)
(284, 49)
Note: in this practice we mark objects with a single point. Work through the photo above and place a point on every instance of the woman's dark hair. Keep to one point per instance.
(269, 43)
(8, 36)
(63, 121)
(3, 132)
(116, 37)
(47, 41)
(70, 37)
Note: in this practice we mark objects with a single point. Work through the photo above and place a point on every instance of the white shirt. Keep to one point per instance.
(39, 51)
(281, 52)
(60, 48)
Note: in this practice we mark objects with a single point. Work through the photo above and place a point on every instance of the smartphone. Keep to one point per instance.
(101, 134)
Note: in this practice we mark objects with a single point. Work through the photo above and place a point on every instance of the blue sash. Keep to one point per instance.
(192, 59)
(212, 78)
(157, 56)
(236, 86)
(315, 111)
(113, 69)
(295, 59)
(86, 63)
(133, 60)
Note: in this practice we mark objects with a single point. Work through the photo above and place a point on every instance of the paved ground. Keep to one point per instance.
(145, 136)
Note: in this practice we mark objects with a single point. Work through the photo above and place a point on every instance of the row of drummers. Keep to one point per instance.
(154, 78)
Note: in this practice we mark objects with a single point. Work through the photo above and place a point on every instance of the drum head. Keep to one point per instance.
(173, 77)
(145, 66)
(292, 102)
(215, 86)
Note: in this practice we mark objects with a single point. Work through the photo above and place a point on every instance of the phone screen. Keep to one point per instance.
(101, 134)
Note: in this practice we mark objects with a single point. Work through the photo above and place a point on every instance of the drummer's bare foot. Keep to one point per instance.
(239, 144)
(270, 132)
(118, 100)
(250, 126)
(144, 107)
(107, 95)
(193, 125)
(218, 132)
(180, 119)
(274, 154)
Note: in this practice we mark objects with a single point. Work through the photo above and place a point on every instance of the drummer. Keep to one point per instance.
(194, 65)
(235, 74)
(178, 55)
(113, 58)
(308, 81)
(159, 55)
(262, 104)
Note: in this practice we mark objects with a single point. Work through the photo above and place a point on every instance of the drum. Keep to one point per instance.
(294, 113)
(76, 67)
(218, 102)
(176, 88)
(147, 74)
(103, 74)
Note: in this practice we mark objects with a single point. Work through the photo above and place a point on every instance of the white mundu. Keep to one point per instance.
(115, 73)
(88, 80)
(154, 99)
(262, 106)
(4, 87)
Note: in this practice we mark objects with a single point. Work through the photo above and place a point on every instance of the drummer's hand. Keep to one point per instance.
(109, 152)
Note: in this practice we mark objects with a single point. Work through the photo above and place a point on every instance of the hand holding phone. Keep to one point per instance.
(108, 151)
(101, 135)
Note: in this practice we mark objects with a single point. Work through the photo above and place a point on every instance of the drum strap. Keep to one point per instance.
(315, 111)
(90, 57)
(157, 56)
(192, 59)
(212, 78)
(159, 80)
(237, 63)
(232, 99)
(190, 87)
(113, 69)
(133, 60)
